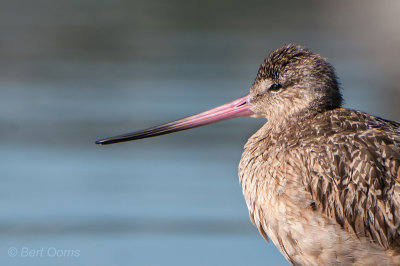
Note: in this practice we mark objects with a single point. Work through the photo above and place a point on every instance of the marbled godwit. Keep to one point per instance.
(321, 181)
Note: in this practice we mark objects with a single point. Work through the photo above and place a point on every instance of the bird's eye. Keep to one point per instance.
(275, 87)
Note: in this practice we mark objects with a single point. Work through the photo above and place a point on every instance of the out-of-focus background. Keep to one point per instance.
(73, 71)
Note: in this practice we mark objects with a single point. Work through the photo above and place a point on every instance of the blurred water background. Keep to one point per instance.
(77, 70)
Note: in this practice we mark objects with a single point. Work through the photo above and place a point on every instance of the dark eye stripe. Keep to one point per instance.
(275, 87)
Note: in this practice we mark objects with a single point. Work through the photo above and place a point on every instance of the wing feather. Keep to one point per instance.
(355, 179)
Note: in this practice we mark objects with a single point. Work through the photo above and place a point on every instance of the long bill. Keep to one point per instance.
(236, 108)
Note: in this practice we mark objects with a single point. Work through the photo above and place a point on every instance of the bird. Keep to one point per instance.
(322, 182)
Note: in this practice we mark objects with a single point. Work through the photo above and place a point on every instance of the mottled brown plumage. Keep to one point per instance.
(322, 182)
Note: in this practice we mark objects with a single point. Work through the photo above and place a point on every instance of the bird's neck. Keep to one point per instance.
(281, 124)
(279, 130)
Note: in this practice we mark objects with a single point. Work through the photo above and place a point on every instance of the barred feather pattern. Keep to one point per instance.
(326, 188)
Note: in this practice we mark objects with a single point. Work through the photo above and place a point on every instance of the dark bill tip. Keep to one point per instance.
(141, 134)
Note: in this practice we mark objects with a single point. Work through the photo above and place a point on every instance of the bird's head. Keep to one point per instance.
(291, 81)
